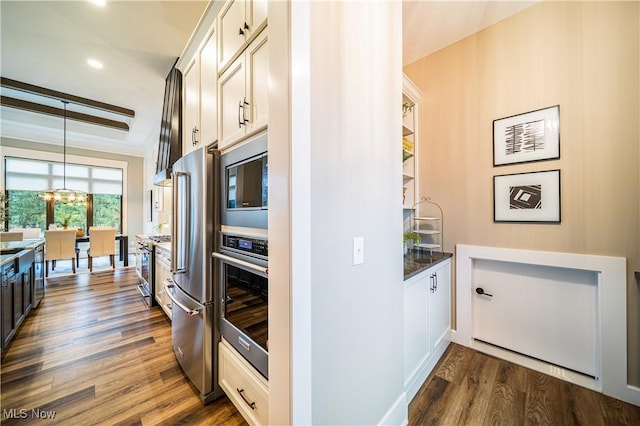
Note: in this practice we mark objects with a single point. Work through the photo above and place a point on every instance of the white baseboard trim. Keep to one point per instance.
(398, 413)
(419, 376)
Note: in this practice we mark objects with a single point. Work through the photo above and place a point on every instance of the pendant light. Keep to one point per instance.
(63, 195)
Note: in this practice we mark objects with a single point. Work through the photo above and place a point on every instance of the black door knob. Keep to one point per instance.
(481, 291)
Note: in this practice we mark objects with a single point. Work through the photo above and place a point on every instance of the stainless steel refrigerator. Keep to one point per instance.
(195, 313)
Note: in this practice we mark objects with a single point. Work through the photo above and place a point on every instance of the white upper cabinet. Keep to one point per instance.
(191, 107)
(239, 22)
(243, 94)
(200, 119)
(209, 91)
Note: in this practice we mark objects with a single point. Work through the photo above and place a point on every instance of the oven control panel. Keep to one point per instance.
(251, 246)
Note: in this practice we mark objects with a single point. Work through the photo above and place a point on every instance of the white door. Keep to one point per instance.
(543, 312)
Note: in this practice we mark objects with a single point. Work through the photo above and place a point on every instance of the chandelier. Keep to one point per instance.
(63, 195)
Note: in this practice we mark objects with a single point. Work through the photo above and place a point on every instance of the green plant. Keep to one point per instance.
(412, 235)
(4, 210)
(65, 219)
(407, 107)
(160, 225)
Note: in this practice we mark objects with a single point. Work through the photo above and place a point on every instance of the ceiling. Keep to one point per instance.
(47, 43)
(428, 26)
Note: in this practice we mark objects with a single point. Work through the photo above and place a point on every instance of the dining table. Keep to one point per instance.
(123, 239)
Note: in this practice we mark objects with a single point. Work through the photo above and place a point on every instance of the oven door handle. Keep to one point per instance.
(243, 264)
(190, 312)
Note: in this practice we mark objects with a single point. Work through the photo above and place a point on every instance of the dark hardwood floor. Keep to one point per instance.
(470, 388)
(94, 354)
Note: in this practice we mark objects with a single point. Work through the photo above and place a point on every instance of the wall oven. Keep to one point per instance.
(242, 264)
(244, 172)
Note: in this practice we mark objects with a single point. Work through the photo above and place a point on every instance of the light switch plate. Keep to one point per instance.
(358, 250)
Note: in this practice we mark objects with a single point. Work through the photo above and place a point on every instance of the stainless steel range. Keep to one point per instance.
(145, 265)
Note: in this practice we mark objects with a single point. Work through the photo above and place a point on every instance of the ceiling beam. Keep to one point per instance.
(58, 112)
(54, 94)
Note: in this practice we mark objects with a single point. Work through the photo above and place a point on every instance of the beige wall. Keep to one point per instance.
(583, 56)
(134, 207)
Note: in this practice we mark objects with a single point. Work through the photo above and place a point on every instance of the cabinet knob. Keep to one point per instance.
(240, 32)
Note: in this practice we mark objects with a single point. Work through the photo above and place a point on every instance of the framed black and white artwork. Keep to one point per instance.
(527, 197)
(532, 136)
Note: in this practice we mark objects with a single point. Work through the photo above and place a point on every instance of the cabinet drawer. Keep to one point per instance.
(244, 386)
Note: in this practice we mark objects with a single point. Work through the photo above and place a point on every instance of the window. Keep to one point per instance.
(107, 210)
(27, 210)
(25, 178)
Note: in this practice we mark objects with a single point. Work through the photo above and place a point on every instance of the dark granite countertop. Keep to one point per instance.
(417, 261)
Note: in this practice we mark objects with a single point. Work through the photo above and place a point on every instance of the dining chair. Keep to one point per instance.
(59, 245)
(27, 233)
(11, 236)
(102, 242)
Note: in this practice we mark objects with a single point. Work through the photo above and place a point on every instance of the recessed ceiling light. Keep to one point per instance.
(99, 2)
(94, 63)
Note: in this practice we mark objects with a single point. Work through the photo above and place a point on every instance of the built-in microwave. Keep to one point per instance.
(245, 184)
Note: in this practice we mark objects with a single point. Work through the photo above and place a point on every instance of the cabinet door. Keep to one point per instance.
(159, 283)
(232, 32)
(27, 279)
(6, 317)
(416, 325)
(257, 83)
(256, 15)
(191, 106)
(244, 386)
(231, 96)
(17, 301)
(440, 304)
(208, 91)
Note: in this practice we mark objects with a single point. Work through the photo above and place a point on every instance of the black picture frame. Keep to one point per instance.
(528, 137)
(532, 197)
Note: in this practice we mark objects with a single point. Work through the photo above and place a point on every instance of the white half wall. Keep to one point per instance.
(611, 323)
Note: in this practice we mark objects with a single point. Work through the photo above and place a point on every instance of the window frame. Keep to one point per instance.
(75, 159)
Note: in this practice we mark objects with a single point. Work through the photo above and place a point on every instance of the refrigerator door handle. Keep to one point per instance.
(190, 312)
(181, 223)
